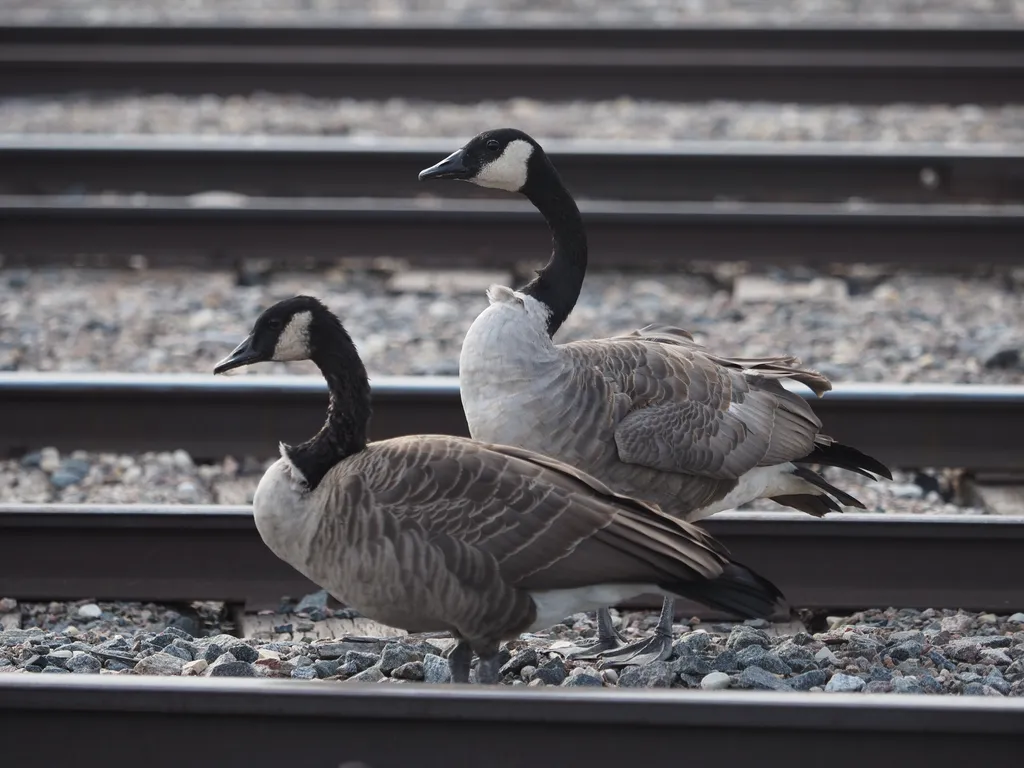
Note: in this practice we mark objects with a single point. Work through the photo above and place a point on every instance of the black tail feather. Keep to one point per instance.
(738, 591)
(845, 457)
(812, 504)
(820, 482)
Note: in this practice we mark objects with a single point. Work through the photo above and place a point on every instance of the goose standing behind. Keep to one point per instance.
(651, 413)
(439, 533)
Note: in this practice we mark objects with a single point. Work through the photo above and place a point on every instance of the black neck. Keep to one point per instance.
(348, 413)
(558, 284)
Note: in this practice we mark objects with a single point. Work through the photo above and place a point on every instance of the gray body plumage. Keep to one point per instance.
(652, 413)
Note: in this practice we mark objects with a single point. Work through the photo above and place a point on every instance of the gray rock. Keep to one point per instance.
(176, 633)
(61, 479)
(971, 689)
(230, 668)
(311, 602)
(77, 468)
(435, 669)
(878, 673)
(878, 686)
(693, 665)
(371, 675)
(348, 669)
(726, 661)
(715, 681)
(743, 636)
(1000, 684)
(826, 656)
(213, 652)
(908, 636)
(552, 673)
(181, 653)
(799, 658)
(242, 651)
(756, 656)
(862, 645)
(413, 670)
(326, 668)
(160, 664)
(908, 650)
(906, 685)
(957, 623)
(338, 649)
(527, 657)
(814, 678)
(117, 666)
(304, 673)
(995, 656)
(760, 679)
(57, 658)
(658, 674)
(929, 683)
(395, 655)
(694, 641)
(1016, 618)
(584, 680)
(83, 663)
(361, 660)
(758, 623)
(56, 670)
(843, 683)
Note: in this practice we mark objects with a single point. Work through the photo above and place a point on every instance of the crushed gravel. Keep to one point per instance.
(873, 326)
(877, 651)
(621, 119)
(81, 477)
(659, 12)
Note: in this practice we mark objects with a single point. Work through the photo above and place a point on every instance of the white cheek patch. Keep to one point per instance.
(293, 343)
(509, 171)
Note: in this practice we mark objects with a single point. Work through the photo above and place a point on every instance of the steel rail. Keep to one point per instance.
(468, 63)
(50, 164)
(375, 726)
(179, 553)
(913, 425)
(498, 233)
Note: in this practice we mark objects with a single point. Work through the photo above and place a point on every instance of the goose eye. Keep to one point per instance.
(275, 323)
(493, 145)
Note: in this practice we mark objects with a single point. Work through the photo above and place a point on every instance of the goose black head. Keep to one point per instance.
(285, 331)
(499, 159)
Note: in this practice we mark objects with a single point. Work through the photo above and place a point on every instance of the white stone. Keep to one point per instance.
(196, 667)
(825, 654)
(49, 459)
(90, 611)
(843, 683)
(715, 681)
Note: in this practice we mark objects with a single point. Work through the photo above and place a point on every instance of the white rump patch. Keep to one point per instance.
(502, 294)
(293, 343)
(509, 171)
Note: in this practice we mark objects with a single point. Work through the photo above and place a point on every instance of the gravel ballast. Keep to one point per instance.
(622, 119)
(645, 12)
(876, 651)
(45, 476)
(875, 327)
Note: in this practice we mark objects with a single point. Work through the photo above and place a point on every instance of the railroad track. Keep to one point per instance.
(363, 726)
(388, 167)
(303, 232)
(908, 426)
(134, 552)
(467, 63)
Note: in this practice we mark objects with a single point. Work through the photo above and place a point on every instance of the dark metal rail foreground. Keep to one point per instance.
(500, 233)
(341, 167)
(179, 553)
(970, 426)
(465, 63)
(241, 722)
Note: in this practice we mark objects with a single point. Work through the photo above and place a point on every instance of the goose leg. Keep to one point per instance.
(608, 639)
(459, 661)
(657, 647)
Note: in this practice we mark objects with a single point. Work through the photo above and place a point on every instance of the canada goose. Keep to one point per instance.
(439, 533)
(651, 413)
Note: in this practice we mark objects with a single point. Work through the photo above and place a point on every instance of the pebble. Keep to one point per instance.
(842, 683)
(658, 674)
(83, 664)
(412, 670)
(435, 669)
(160, 664)
(371, 675)
(90, 611)
(396, 655)
(715, 681)
(760, 679)
(585, 680)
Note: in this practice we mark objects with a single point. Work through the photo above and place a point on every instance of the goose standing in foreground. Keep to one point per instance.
(652, 414)
(439, 533)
